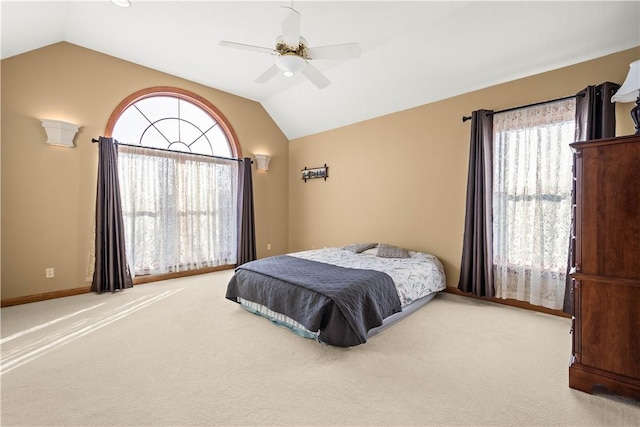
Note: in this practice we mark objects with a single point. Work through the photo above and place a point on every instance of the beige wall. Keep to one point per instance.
(48, 193)
(401, 179)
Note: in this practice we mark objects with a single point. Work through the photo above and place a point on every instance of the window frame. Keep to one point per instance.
(224, 124)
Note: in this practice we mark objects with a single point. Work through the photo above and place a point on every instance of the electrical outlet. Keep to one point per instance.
(48, 272)
(268, 246)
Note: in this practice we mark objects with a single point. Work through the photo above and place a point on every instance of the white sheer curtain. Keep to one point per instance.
(532, 202)
(179, 210)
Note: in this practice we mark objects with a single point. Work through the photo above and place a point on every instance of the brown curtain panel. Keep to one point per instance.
(111, 272)
(595, 119)
(476, 271)
(246, 221)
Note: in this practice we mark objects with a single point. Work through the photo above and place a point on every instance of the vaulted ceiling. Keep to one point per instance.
(413, 52)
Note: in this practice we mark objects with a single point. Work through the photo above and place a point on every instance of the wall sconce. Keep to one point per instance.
(59, 132)
(263, 162)
(630, 91)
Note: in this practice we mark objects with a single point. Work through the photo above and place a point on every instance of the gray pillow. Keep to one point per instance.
(360, 247)
(388, 251)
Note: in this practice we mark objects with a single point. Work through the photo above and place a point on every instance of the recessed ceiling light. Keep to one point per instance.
(121, 3)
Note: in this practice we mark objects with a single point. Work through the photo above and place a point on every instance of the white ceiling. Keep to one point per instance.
(413, 52)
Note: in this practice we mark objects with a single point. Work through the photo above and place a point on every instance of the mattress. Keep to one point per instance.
(417, 279)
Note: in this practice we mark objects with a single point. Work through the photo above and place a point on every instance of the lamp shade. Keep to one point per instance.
(630, 89)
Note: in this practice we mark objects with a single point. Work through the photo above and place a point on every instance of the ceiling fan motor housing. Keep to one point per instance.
(282, 48)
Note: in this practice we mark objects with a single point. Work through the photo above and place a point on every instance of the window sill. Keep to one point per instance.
(510, 302)
(138, 280)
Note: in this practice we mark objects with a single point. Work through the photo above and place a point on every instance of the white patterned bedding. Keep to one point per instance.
(415, 277)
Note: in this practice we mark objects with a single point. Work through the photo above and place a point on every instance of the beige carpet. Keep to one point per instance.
(177, 353)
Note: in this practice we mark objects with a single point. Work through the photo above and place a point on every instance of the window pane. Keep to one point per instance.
(152, 138)
(191, 135)
(219, 142)
(158, 107)
(169, 130)
(130, 125)
(195, 115)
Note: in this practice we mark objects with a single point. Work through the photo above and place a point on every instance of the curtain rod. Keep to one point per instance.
(581, 94)
(171, 151)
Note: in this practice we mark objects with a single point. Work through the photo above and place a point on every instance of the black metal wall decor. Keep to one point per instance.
(320, 172)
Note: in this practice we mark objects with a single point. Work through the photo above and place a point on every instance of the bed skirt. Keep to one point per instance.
(287, 322)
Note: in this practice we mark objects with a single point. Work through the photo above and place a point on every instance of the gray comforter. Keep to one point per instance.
(341, 303)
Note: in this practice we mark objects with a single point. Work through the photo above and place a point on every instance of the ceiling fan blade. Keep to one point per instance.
(247, 47)
(336, 51)
(290, 26)
(268, 75)
(315, 76)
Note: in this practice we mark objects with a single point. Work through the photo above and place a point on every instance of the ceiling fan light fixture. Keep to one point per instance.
(290, 64)
(121, 3)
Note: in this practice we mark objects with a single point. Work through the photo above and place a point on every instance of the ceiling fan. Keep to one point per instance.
(294, 53)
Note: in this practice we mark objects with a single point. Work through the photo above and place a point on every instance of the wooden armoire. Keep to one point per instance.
(606, 270)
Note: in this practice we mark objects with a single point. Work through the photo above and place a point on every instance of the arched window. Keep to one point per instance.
(178, 170)
(172, 119)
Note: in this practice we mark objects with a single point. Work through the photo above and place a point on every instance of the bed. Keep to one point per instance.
(338, 296)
